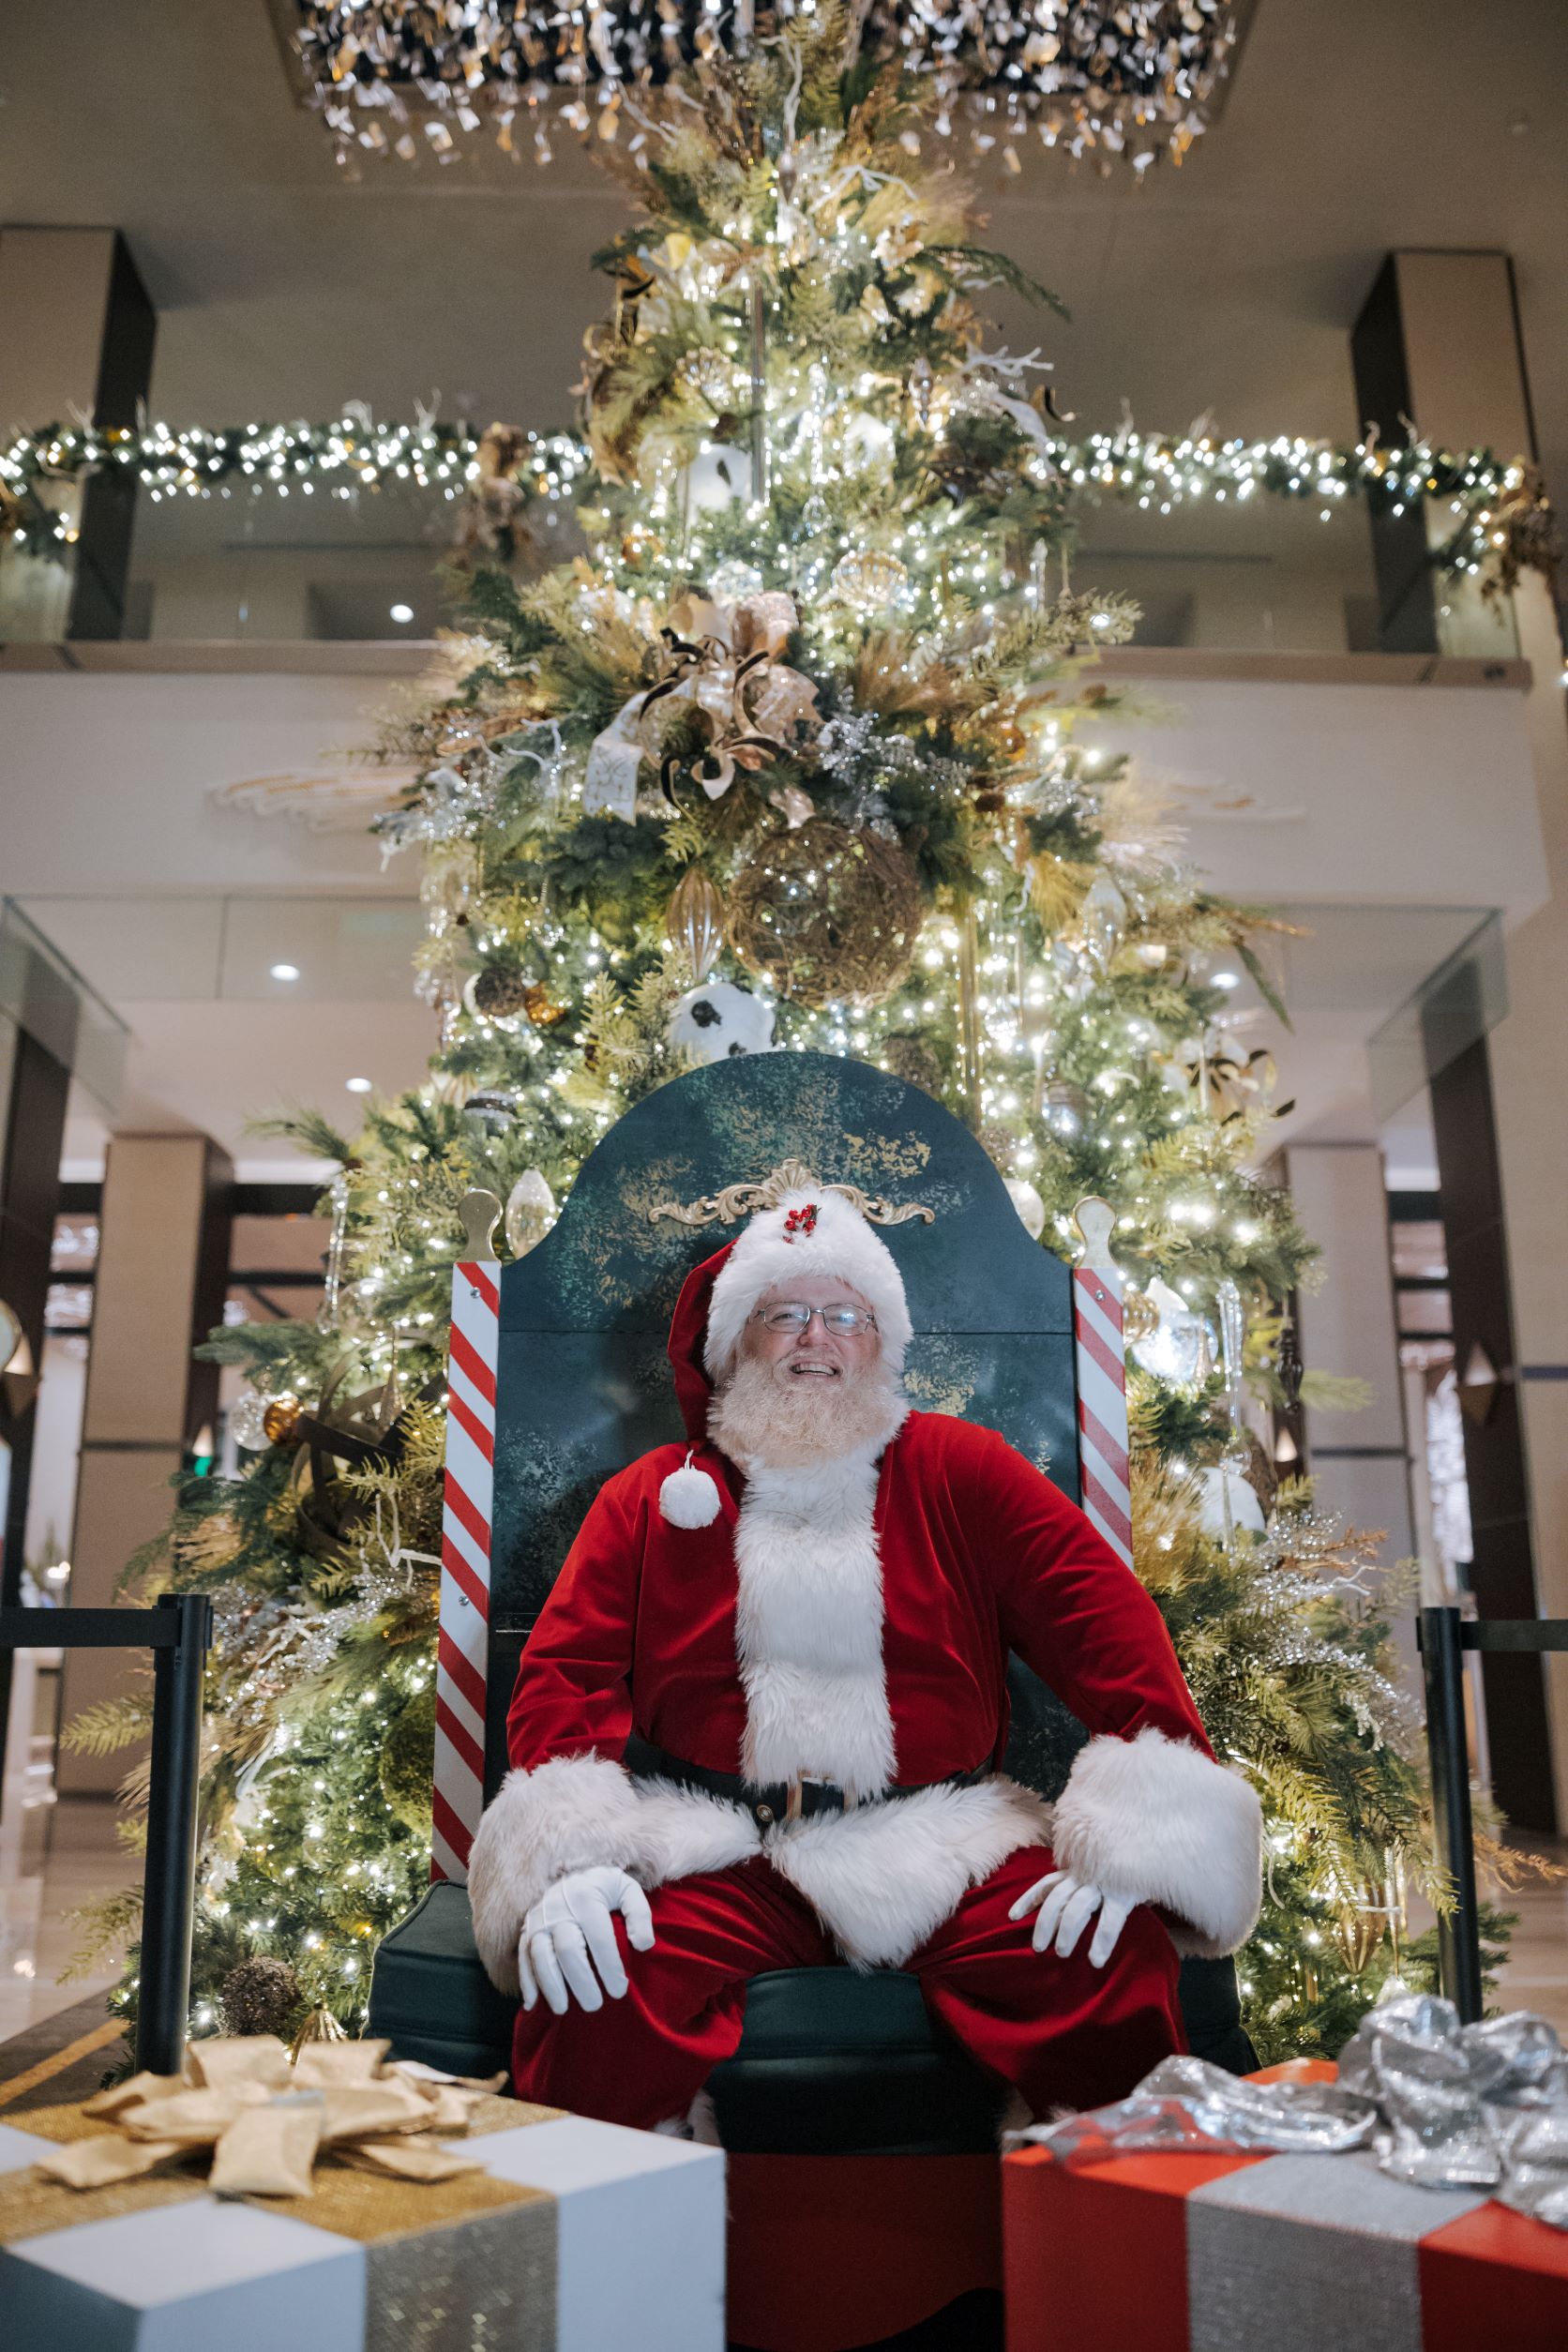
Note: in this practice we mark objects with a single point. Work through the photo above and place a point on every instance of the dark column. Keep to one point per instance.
(109, 503)
(1469, 1187)
(1407, 596)
(78, 336)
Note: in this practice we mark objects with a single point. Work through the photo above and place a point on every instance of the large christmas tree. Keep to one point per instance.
(798, 752)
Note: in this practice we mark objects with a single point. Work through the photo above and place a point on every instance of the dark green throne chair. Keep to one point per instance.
(830, 2062)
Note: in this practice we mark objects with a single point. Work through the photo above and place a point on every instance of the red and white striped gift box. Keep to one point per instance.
(1268, 2254)
(464, 1640)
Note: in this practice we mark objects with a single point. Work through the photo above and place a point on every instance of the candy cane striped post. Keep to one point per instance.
(462, 1648)
(1102, 1382)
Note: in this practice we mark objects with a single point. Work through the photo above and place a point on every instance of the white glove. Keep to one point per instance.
(572, 1920)
(1066, 1904)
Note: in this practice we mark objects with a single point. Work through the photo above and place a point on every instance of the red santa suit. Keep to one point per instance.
(852, 1621)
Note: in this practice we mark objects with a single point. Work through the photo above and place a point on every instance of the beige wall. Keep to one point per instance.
(156, 1200)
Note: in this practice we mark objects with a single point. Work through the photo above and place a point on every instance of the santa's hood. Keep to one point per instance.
(688, 1333)
(810, 1232)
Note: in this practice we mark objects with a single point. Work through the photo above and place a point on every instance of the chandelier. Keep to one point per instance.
(1098, 79)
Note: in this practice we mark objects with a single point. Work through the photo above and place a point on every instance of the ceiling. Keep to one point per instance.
(285, 287)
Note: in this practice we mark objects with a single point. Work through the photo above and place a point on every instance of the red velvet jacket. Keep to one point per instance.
(980, 1555)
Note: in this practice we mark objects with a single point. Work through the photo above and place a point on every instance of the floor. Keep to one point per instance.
(1536, 1976)
(65, 1855)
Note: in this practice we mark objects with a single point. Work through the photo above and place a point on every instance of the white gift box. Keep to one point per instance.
(630, 2224)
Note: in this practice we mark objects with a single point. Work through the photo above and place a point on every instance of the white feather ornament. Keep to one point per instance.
(688, 1497)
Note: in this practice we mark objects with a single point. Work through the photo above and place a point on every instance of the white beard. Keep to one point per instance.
(766, 1424)
(808, 1621)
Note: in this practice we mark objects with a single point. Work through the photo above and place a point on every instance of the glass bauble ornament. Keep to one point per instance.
(1177, 1348)
(694, 921)
(868, 580)
(711, 375)
(831, 915)
(1064, 1106)
(735, 581)
(247, 1421)
(530, 1212)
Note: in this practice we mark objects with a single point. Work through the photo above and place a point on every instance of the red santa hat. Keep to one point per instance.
(808, 1233)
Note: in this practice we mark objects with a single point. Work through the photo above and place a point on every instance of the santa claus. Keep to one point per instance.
(759, 1724)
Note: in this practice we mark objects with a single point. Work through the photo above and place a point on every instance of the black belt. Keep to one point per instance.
(798, 1799)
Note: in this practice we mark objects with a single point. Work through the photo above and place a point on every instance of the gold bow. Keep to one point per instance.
(722, 661)
(266, 2120)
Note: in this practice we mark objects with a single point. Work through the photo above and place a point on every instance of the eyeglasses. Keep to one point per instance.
(839, 1322)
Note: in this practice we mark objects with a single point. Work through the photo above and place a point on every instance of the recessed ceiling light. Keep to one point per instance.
(403, 612)
(285, 971)
(357, 1086)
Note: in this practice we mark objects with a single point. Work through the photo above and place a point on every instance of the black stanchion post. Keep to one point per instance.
(168, 1888)
(1459, 1930)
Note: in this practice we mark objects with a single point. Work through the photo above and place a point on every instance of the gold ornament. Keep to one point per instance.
(280, 1420)
(694, 921)
(542, 1009)
(827, 913)
(319, 2026)
(868, 580)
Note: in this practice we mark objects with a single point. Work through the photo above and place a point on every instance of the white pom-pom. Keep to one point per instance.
(688, 1497)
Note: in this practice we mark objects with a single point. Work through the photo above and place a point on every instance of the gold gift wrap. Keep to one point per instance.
(342, 2142)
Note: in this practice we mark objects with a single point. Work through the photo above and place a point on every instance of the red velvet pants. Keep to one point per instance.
(1060, 2032)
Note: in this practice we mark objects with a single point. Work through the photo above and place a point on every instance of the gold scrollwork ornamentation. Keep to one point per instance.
(735, 1201)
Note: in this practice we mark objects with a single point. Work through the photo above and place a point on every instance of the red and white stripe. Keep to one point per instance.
(462, 1648)
(1102, 1386)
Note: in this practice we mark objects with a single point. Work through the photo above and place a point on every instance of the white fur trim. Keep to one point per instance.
(841, 1244)
(884, 1878)
(688, 1497)
(808, 1626)
(573, 1812)
(1155, 1819)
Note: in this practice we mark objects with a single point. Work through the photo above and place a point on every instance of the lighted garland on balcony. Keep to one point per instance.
(1502, 519)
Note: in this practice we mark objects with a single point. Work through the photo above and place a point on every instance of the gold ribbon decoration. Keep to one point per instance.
(722, 661)
(266, 2119)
